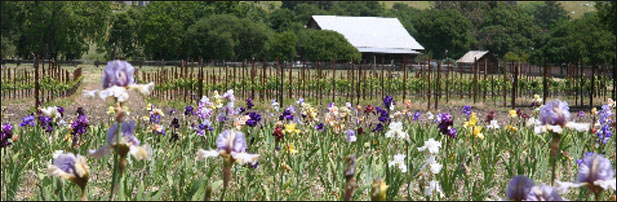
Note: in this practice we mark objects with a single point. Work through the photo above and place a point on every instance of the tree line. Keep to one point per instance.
(236, 30)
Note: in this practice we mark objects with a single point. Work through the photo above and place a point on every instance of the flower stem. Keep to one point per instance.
(554, 155)
(114, 180)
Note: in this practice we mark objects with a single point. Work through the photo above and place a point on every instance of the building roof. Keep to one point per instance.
(471, 55)
(371, 34)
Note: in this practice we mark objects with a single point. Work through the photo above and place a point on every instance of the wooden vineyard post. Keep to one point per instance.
(438, 86)
(484, 87)
(37, 101)
(382, 78)
(404, 87)
(544, 83)
(333, 80)
(514, 85)
(281, 88)
(234, 78)
(243, 78)
(359, 79)
(290, 81)
(201, 78)
(505, 65)
(263, 79)
(253, 77)
(475, 78)
(593, 86)
(304, 78)
(319, 83)
(390, 79)
(428, 88)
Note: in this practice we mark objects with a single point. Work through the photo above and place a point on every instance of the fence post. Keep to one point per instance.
(514, 86)
(428, 100)
(333, 64)
(545, 83)
(438, 85)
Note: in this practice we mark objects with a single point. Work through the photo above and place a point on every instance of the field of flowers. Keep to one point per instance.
(226, 149)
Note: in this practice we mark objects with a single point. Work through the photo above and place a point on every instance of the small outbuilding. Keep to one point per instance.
(485, 60)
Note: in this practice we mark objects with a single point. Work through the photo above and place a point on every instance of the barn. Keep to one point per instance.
(485, 60)
(374, 37)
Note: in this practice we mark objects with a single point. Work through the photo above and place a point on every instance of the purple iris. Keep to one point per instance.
(605, 114)
(60, 110)
(349, 134)
(416, 117)
(189, 111)
(118, 73)
(604, 134)
(555, 112)
(445, 126)
(595, 167)
(231, 141)
(519, 188)
(320, 126)
(7, 133)
(255, 118)
(221, 117)
(543, 192)
(241, 110)
(202, 127)
(155, 118)
(378, 128)
(580, 114)
(172, 110)
(80, 125)
(45, 123)
(387, 101)
(287, 115)
(466, 110)
(249, 103)
(128, 130)
(383, 115)
(66, 163)
(27, 120)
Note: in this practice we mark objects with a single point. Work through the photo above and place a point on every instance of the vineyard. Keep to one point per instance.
(44, 81)
(332, 82)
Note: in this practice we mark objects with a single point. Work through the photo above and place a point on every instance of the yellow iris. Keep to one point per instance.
(477, 132)
(291, 150)
(472, 121)
(149, 107)
(111, 110)
(513, 114)
(594, 111)
(511, 128)
(291, 129)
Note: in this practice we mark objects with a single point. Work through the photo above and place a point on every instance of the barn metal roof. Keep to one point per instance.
(371, 34)
(471, 55)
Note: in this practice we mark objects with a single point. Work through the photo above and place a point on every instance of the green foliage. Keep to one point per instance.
(280, 19)
(508, 28)
(584, 38)
(122, 38)
(325, 45)
(606, 12)
(226, 37)
(282, 46)
(439, 30)
(358, 8)
(54, 29)
(548, 14)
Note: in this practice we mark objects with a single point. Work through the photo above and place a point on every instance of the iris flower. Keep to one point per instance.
(554, 116)
(128, 143)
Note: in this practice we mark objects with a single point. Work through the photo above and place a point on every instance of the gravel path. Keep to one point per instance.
(95, 108)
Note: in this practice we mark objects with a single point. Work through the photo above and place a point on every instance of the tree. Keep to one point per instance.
(439, 30)
(304, 12)
(282, 46)
(54, 29)
(583, 38)
(508, 29)
(606, 12)
(280, 19)
(358, 8)
(475, 11)
(227, 37)
(548, 14)
(122, 37)
(326, 45)
(407, 15)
